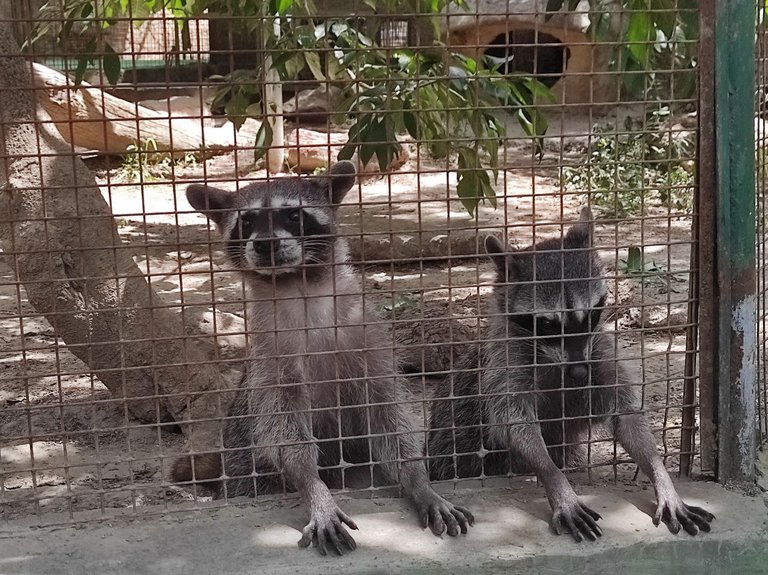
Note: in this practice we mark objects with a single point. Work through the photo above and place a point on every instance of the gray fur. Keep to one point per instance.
(321, 367)
(524, 402)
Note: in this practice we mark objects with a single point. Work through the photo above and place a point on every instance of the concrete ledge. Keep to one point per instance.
(510, 536)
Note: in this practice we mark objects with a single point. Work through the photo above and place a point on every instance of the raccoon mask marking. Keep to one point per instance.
(278, 228)
(554, 297)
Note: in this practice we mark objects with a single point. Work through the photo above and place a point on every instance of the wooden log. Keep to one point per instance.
(90, 118)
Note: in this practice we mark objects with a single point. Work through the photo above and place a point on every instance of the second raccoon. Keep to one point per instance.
(545, 372)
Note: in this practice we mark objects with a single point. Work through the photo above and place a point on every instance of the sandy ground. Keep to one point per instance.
(66, 447)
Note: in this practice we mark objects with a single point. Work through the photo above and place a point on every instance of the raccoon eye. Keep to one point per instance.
(246, 223)
(294, 215)
(547, 326)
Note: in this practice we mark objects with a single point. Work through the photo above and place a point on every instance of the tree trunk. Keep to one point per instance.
(95, 120)
(59, 234)
(273, 110)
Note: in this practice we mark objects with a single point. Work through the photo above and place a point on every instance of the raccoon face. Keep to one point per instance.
(553, 296)
(284, 226)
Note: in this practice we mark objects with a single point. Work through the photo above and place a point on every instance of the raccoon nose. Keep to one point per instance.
(577, 371)
(266, 247)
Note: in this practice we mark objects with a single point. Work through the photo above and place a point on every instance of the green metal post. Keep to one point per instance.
(736, 355)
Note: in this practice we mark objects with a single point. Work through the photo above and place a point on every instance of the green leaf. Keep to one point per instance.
(347, 151)
(84, 60)
(236, 107)
(288, 64)
(539, 92)
(411, 124)
(634, 260)
(140, 10)
(385, 153)
(263, 141)
(313, 61)
(253, 110)
(372, 134)
(639, 36)
(112, 65)
(280, 7)
(467, 192)
(82, 68)
(663, 15)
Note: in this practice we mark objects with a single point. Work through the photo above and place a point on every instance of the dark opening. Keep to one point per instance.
(527, 51)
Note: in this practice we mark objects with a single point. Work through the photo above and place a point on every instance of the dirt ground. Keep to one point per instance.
(67, 447)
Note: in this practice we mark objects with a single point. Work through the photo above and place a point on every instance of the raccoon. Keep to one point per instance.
(545, 373)
(321, 385)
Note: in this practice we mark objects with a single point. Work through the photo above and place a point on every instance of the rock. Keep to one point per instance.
(320, 101)
(187, 106)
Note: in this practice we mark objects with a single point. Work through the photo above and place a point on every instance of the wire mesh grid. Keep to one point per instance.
(127, 320)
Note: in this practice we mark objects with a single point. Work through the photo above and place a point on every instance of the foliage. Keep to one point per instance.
(647, 271)
(626, 170)
(143, 162)
(447, 102)
(657, 49)
(89, 19)
(238, 97)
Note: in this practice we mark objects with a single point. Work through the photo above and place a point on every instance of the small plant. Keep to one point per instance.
(398, 304)
(627, 170)
(649, 273)
(143, 162)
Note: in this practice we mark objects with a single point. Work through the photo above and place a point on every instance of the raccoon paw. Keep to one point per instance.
(440, 515)
(676, 514)
(577, 519)
(326, 528)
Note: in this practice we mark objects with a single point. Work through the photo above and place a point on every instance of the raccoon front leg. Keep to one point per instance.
(569, 513)
(633, 434)
(326, 524)
(285, 437)
(395, 439)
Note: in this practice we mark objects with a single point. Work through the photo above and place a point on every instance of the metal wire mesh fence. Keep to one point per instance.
(127, 318)
(760, 142)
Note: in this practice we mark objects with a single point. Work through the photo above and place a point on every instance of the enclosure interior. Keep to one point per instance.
(73, 447)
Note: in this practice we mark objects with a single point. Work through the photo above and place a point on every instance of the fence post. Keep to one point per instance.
(735, 370)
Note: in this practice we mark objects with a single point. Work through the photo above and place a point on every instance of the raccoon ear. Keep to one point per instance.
(495, 248)
(342, 178)
(215, 203)
(580, 233)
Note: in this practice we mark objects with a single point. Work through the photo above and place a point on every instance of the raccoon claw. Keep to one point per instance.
(577, 519)
(676, 515)
(327, 529)
(441, 516)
